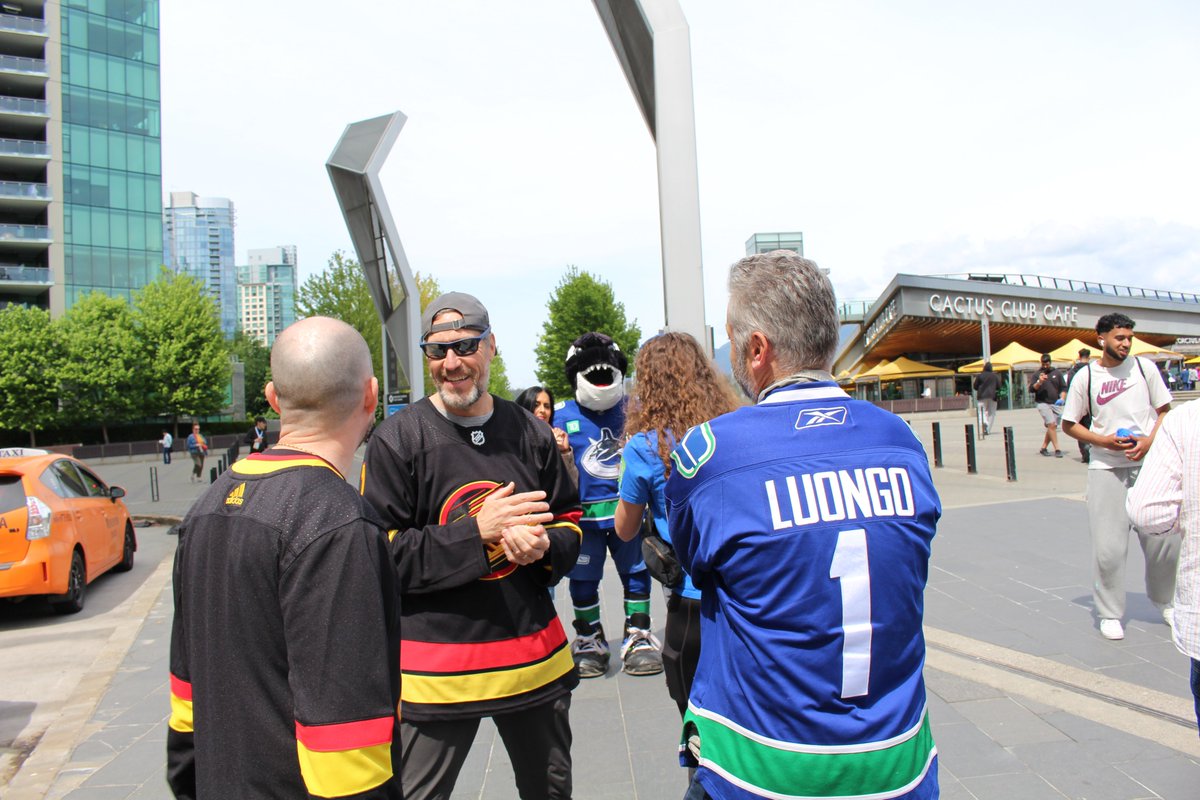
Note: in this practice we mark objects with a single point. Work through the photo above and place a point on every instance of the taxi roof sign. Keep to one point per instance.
(21, 452)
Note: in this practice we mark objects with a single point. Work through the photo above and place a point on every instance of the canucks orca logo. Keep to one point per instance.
(602, 458)
(465, 501)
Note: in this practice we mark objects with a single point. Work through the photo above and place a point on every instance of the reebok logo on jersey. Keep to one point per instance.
(237, 496)
(818, 417)
(1110, 390)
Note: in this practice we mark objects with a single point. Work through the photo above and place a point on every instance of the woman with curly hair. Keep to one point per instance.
(677, 387)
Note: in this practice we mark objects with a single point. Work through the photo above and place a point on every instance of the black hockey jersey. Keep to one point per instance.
(480, 634)
(284, 646)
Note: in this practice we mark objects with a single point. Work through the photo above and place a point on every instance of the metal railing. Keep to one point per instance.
(854, 310)
(24, 147)
(25, 191)
(20, 274)
(13, 22)
(1072, 285)
(23, 105)
(31, 233)
(30, 66)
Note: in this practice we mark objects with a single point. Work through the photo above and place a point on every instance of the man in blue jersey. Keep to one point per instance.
(595, 423)
(806, 521)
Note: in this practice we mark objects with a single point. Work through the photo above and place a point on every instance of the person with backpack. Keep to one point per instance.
(1085, 358)
(1127, 401)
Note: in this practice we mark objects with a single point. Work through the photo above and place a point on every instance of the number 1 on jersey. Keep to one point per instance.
(850, 570)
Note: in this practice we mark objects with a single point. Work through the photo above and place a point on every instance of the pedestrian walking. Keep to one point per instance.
(1049, 388)
(987, 385)
(166, 441)
(1085, 358)
(197, 447)
(1127, 401)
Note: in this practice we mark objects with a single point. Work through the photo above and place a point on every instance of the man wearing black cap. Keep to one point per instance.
(1049, 390)
(482, 518)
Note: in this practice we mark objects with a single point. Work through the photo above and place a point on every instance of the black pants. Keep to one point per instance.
(538, 741)
(681, 647)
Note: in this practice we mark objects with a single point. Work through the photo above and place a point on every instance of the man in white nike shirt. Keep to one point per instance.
(1127, 400)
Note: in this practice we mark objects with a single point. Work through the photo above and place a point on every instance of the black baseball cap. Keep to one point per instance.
(474, 315)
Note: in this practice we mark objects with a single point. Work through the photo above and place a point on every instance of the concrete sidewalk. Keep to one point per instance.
(1027, 700)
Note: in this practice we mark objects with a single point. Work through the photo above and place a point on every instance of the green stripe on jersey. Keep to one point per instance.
(783, 770)
(605, 510)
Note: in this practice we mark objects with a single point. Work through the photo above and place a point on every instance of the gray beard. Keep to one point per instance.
(741, 375)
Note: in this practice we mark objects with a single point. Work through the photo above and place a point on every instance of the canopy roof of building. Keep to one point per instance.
(943, 316)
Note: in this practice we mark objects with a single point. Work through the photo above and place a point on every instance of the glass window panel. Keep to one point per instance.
(116, 151)
(153, 157)
(119, 228)
(150, 53)
(151, 83)
(82, 268)
(76, 30)
(135, 151)
(81, 233)
(99, 148)
(116, 76)
(81, 151)
(137, 231)
(100, 227)
(118, 195)
(99, 193)
(135, 79)
(97, 72)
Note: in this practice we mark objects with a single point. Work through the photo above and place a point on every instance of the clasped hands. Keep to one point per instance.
(516, 520)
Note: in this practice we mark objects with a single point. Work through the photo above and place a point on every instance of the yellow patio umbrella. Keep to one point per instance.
(871, 374)
(1139, 348)
(903, 368)
(1014, 355)
(1194, 360)
(1066, 355)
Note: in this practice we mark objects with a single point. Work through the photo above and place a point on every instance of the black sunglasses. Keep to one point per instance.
(435, 351)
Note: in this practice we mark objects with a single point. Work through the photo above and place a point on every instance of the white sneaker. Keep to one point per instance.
(1169, 617)
(1112, 629)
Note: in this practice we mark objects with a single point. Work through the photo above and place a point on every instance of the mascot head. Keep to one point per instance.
(596, 370)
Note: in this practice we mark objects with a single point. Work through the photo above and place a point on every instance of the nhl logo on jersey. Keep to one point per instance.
(477, 438)
(819, 417)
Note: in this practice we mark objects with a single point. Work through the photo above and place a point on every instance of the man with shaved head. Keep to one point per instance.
(285, 644)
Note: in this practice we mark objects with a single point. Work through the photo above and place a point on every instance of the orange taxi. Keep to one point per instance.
(60, 528)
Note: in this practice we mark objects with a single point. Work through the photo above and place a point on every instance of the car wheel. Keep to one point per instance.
(72, 602)
(126, 562)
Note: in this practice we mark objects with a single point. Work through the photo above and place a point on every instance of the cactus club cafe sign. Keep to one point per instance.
(1026, 312)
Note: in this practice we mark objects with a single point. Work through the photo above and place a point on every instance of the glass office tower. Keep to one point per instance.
(80, 156)
(198, 241)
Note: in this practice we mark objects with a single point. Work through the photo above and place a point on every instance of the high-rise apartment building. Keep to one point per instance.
(80, 156)
(198, 241)
(267, 292)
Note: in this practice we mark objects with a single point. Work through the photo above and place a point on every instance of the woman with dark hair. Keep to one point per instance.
(538, 401)
(677, 387)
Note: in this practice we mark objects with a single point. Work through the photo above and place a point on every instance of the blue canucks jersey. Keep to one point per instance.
(595, 437)
(806, 523)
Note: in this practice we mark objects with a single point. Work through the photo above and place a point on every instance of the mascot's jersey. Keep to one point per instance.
(479, 634)
(806, 523)
(596, 439)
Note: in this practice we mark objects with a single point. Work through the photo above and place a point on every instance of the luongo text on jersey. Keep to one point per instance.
(833, 496)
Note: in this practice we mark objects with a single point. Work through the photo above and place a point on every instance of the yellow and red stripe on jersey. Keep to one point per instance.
(445, 672)
(266, 463)
(345, 758)
(181, 705)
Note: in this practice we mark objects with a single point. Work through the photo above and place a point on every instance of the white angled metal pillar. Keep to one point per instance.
(652, 42)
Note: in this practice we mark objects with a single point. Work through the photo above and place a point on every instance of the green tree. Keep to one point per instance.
(579, 304)
(32, 353)
(256, 361)
(186, 360)
(103, 380)
(341, 292)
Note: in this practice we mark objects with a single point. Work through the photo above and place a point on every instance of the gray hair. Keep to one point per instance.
(790, 301)
(319, 366)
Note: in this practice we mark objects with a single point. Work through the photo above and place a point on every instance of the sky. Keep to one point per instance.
(918, 137)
